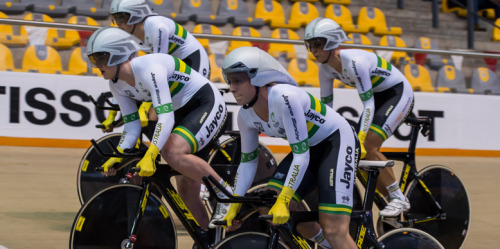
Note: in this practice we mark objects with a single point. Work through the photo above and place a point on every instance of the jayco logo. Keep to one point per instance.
(348, 170)
(179, 77)
(315, 117)
(213, 125)
(176, 40)
(380, 72)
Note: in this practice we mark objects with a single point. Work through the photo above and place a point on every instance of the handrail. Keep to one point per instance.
(258, 39)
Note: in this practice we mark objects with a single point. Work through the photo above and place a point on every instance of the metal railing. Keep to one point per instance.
(258, 39)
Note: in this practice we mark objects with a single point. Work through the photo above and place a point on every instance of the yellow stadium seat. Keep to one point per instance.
(496, 31)
(419, 77)
(206, 29)
(78, 63)
(41, 59)
(359, 39)
(242, 31)
(447, 6)
(53, 38)
(343, 2)
(374, 19)
(303, 13)
(76, 35)
(273, 13)
(342, 15)
(7, 36)
(397, 57)
(276, 49)
(216, 67)
(6, 59)
(304, 71)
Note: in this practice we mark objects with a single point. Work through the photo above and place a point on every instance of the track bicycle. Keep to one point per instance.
(286, 235)
(438, 198)
(225, 155)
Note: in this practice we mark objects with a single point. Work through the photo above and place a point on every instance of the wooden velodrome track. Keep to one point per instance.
(38, 197)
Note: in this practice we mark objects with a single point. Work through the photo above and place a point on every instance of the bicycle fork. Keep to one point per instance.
(129, 242)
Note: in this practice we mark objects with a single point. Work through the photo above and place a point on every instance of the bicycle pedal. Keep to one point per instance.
(392, 221)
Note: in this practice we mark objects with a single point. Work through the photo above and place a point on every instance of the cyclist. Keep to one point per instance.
(386, 94)
(325, 149)
(191, 111)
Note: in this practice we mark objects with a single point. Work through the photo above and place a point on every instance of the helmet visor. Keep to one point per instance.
(99, 59)
(315, 43)
(120, 18)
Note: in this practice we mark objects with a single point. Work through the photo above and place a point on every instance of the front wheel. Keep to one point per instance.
(409, 238)
(106, 219)
(248, 240)
(450, 193)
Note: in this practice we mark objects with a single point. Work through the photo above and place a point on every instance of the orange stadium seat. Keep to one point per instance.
(304, 71)
(359, 39)
(166, 8)
(216, 67)
(78, 63)
(374, 19)
(452, 78)
(41, 59)
(237, 13)
(303, 12)
(48, 7)
(13, 8)
(397, 57)
(53, 38)
(496, 31)
(200, 11)
(343, 2)
(276, 49)
(86, 8)
(485, 81)
(342, 15)
(419, 77)
(273, 13)
(6, 59)
(206, 29)
(242, 31)
(7, 36)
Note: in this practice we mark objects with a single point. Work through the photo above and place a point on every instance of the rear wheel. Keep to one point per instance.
(409, 238)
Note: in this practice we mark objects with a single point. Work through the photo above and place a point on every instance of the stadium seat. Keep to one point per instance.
(303, 13)
(216, 67)
(374, 19)
(496, 31)
(242, 31)
(304, 71)
(7, 36)
(453, 79)
(359, 39)
(52, 38)
(106, 5)
(78, 63)
(397, 57)
(86, 8)
(206, 29)
(77, 35)
(485, 81)
(276, 49)
(342, 15)
(419, 77)
(6, 59)
(41, 59)
(434, 61)
(309, 1)
(273, 14)
(166, 8)
(448, 6)
(343, 2)
(47, 7)
(237, 13)
(13, 8)
(200, 11)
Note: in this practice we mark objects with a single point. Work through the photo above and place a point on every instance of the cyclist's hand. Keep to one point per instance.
(225, 212)
(280, 211)
(362, 137)
(111, 162)
(108, 123)
(143, 113)
(148, 163)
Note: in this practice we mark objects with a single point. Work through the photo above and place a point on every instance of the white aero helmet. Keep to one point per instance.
(118, 43)
(322, 27)
(260, 67)
(138, 9)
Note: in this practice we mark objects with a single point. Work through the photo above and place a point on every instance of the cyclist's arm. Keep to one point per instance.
(132, 123)
(360, 73)
(159, 33)
(326, 86)
(249, 156)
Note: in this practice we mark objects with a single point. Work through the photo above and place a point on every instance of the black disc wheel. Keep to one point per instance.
(248, 240)
(409, 238)
(106, 219)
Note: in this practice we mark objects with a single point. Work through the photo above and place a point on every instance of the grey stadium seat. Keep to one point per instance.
(449, 76)
(485, 81)
(14, 8)
(166, 8)
(86, 8)
(47, 7)
(237, 13)
(201, 13)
